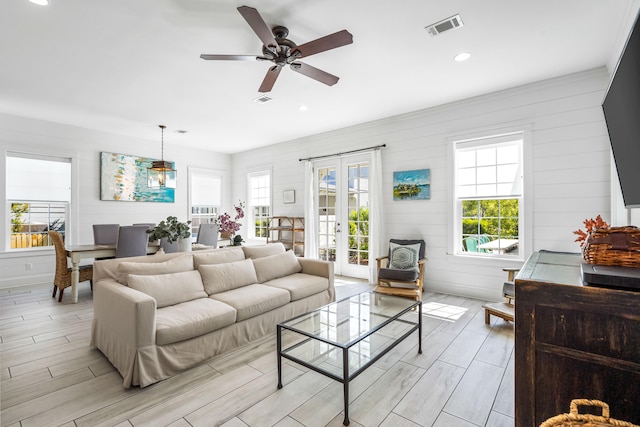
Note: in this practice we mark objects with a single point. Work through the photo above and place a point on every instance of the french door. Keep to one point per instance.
(342, 191)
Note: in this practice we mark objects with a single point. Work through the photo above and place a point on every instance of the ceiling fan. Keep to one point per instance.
(282, 51)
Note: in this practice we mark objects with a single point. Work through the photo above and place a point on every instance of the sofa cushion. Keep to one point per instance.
(261, 251)
(174, 265)
(218, 256)
(224, 277)
(169, 289)
(300, 285)
(252, 300)
(274, 266)
(191, 319)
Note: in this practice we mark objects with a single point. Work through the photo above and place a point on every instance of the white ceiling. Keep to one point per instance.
(126, 66)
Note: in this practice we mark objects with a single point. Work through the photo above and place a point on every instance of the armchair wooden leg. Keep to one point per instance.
(60, 297)
(55, 291)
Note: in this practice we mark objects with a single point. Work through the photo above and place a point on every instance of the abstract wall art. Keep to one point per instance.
(124, 178)
(412, 185)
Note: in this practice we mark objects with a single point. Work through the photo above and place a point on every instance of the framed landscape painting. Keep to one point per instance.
(412, 185)
(124, 178)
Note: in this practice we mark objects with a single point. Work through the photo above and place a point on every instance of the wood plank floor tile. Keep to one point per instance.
(226, 407)
(499, 420)
(40, 337)
(472, 399)
(378, 400)
(463, 348)
(279, 404)
(320, 409)
(427, 398)
(394, 420)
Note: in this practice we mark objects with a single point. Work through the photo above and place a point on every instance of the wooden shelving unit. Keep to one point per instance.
(289, 231)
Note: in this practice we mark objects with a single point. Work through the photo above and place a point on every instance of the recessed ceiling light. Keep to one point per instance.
(40, 2)
(303, 108)
(463, 56)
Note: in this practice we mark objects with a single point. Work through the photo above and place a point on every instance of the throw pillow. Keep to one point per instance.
(224, 277)
(217, 256)
(174, 265)
(275, 266)
(169, 289)
(263, 250)
(404, 257)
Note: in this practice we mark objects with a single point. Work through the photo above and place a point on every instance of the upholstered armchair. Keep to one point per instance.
(401, 272)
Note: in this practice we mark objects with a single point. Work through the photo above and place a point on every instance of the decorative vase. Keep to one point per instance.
(226, 236)
(181, 245)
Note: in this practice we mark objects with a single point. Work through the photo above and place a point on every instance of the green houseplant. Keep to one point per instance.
(174, 236)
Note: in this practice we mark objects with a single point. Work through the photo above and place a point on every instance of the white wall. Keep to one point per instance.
(569, 164)
(84, 146)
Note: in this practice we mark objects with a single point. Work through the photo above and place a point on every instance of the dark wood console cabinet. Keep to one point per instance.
(573, 342)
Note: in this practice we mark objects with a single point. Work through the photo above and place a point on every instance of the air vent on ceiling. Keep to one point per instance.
(262, 99)
(445, 25)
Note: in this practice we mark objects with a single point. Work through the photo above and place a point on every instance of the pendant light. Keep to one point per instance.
(161, 173)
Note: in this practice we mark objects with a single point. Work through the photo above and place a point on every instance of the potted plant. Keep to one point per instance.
(174, 236)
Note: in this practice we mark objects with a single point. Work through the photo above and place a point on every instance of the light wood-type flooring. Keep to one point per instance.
(51, 377)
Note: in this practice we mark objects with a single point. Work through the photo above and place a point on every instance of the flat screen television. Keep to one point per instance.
(621, 108)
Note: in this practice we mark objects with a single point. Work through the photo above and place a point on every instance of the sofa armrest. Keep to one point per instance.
(126, 313)
(320, 268)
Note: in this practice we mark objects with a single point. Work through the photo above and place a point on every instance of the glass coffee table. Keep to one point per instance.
(342, 339)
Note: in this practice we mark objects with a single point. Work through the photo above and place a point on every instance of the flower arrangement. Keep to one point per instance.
(228, 226)
(591, 225)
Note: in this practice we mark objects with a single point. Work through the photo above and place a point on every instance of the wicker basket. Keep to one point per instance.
(613, 246)
(575, 419)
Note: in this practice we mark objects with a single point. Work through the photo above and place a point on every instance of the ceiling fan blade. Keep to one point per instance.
(258, 26)
(322, 44)
(315, 73)
(229, 57)
(270, 79)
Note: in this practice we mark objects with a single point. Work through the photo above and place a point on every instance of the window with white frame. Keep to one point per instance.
(488, 195)
(205, 196)
(259, 203)
(38, 198)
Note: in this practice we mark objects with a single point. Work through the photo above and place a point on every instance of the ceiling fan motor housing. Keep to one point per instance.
(286, 47)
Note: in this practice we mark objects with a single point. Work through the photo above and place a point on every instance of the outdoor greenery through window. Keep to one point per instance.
(38, 195)
(359, 214)
(259, 203)
(489, 195)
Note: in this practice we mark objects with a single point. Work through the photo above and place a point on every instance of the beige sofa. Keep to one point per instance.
(155, 316)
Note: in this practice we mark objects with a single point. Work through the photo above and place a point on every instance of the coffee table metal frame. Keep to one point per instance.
(406, 306)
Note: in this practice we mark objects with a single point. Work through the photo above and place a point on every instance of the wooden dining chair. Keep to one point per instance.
(62, 278)
(506, 309)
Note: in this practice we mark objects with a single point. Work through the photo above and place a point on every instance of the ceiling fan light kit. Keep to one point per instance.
(282, 51)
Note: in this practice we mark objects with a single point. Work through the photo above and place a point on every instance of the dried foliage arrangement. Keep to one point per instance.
(591, 225)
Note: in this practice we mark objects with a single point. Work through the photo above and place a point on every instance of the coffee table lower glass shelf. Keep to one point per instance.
(342, 339)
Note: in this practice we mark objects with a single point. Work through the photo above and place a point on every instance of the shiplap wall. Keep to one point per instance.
(569, 170)
(84, 146)
(569, 166)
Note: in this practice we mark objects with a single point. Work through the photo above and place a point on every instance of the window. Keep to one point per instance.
(259, 203)
(38, 195)
(488, 195)
(205, 193)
